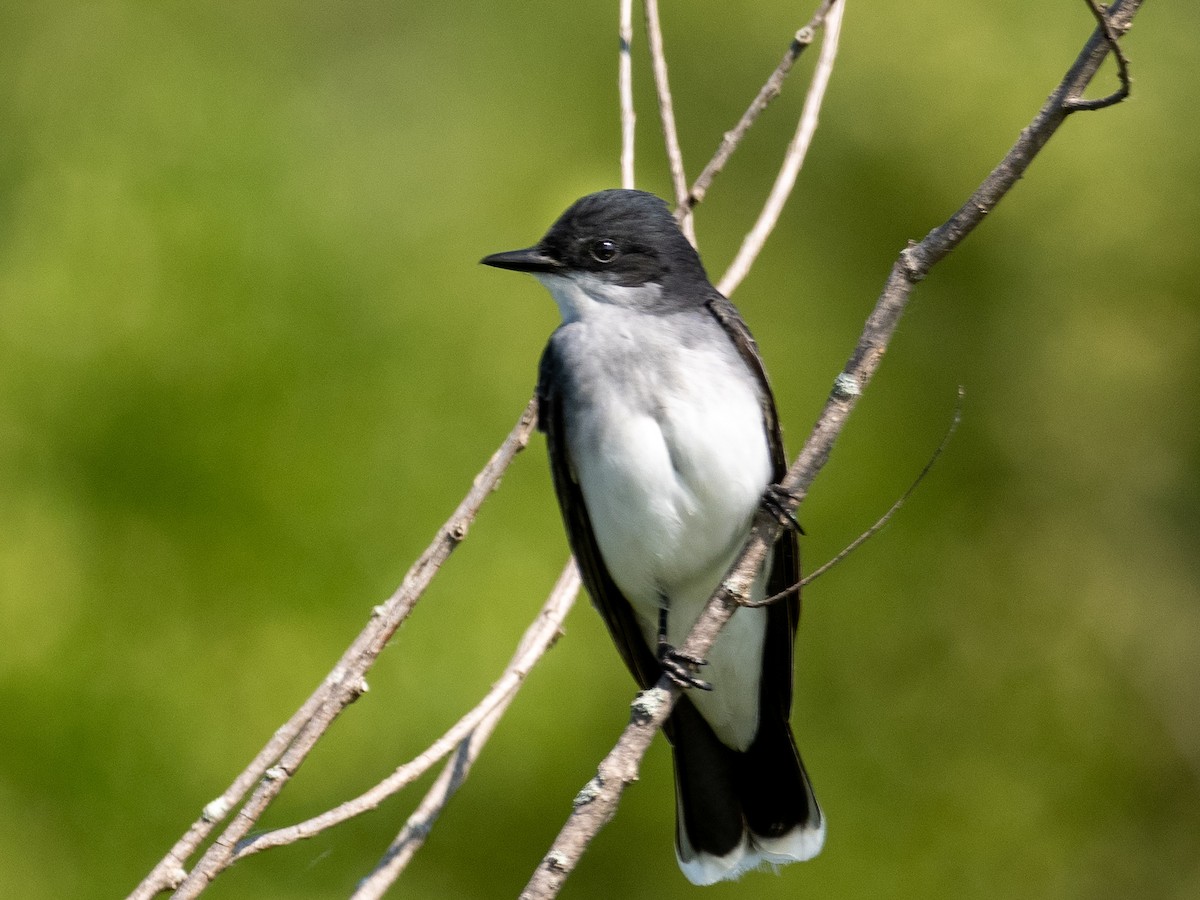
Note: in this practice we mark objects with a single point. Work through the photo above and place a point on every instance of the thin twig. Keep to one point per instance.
(769, 91)
(597, 804)
(895, 507)
(879, 523)
(278, 760)
(625, 89)
(666, 110)
(886, 517)
(793, 160)
(538, 639)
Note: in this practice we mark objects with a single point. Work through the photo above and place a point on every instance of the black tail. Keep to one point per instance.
(738, 810)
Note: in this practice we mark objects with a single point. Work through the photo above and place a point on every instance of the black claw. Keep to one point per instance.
(685, 658)
(680, 667)
(778, 501)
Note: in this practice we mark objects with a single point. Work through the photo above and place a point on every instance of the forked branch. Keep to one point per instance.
(278, 761)
(538, 639)
(469, 731)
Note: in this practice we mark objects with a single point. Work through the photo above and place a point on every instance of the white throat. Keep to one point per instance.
(579, 293)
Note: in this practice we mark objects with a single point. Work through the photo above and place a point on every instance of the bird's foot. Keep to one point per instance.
(681, 667)
(778, 501)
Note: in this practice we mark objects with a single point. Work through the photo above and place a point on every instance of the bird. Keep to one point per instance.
(663, 440)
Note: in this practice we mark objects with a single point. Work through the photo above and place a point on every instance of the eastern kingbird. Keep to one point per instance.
(663, 438)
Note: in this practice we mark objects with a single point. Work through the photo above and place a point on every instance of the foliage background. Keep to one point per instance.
(248, 365)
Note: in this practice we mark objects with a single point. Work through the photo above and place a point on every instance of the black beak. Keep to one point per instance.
(532, 259)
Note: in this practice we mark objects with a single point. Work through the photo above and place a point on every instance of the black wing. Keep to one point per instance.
(720, 792)
(618, 615)
(782, 617)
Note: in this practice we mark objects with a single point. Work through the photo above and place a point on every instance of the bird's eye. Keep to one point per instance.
(604, 251)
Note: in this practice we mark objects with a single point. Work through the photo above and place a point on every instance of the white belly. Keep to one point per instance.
(671, 487)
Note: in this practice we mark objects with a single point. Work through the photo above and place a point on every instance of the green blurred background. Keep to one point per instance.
(248, 364)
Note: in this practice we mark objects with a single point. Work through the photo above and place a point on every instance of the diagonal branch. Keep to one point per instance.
(793, 159)
(597, 803)
(769, 91)
(1061, 103)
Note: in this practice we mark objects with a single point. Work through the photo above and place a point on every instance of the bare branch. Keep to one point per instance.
(625, 89)
(281, 757)
(597, 804)
(666, 110)
(792, 161)
(538, 639)
(769, 91)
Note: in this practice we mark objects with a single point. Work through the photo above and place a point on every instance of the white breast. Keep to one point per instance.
(670, 490)
(668, 444)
